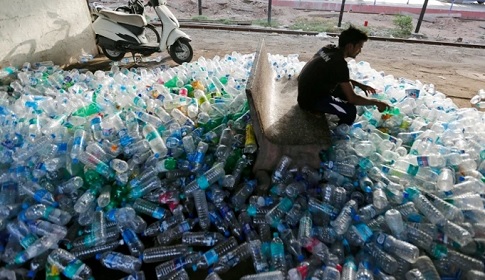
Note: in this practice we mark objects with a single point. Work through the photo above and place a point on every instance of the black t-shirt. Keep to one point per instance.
(321, 76)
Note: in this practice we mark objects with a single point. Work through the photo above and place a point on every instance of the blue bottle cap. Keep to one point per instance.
(22, 216)
(31, 274)
(251, 210)
(301, 258)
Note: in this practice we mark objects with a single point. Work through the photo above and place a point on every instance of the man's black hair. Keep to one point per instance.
(351, 35)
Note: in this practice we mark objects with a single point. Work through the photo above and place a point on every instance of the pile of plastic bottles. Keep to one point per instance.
(147, 172)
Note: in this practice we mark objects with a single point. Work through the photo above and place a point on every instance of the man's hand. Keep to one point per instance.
(381, 106)
(367, 89)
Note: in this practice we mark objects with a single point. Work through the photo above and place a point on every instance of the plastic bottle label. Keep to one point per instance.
(72, 268)
(422, 160)
(111, 260)
(150, 136)
(77, 141)
(40, 194)
(28, 240)
(199, 157)
(48, 211)
(185, 226)
(211, 257)
(203, 182)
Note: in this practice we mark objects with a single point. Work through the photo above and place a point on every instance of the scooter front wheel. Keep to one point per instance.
(181, 51)
(113, 54)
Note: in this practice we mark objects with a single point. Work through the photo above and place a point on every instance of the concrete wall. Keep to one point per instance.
(40, 30)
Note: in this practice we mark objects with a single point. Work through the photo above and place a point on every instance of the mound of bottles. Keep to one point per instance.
(147, 172)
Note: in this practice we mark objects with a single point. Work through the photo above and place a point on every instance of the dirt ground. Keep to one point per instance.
(457, 72)
(434, 27)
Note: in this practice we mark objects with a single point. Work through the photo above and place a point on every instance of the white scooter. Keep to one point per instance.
(118, 33)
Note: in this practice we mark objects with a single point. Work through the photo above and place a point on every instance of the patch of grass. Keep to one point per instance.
(316, 24)
(196, 18)
(225, 21)
(264, 22)
(404, 26)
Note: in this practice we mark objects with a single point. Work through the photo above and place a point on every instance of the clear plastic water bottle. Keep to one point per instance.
(207, 179)
(247, 226)
(83, 252)
(317, 207)
(163, 270)
(208, 239)
(325, 234)
(464, 262)
(78, 144)
(281, 168)
(177, 232)
(397, 247)
(50, 213)
(92, 162)
(233, 258)
(221, 224)
(418, 237)
(148, 208)
(382, 259)
(427, 268)
(38, 193)
(86, 201)
(94, 238)
(161, 226)
(364, 272)
(305, 227)
(70, 185)
(118, 165)
(277, 249)
(239, 198)
(118, 261)
(475, 275)
(425, 206)
(155, 140)
(368, 212)
(164, 253)
(259, 261)
(450, 211)
(331, 273)
(274, 216)
(414, 274)
(212, 256)
(199, 155)
(70, 266)
(131, 239)
(457, 233)
(395, 222)
(201, 208)
(349, 270)
(345, 217)
(379, 198)
(35, 249)
(22, 233)
(41, 227)
(272, 275)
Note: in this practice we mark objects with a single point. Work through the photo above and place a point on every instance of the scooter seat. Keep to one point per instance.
(130, 19)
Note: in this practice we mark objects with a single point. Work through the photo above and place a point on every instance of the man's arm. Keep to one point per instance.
(355, 99)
